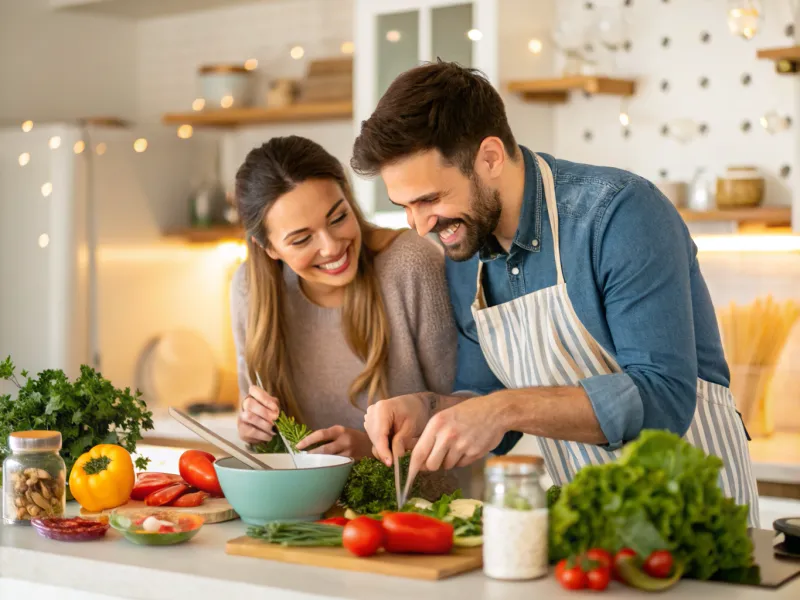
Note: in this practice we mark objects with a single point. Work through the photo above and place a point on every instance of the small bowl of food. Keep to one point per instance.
(156, 528)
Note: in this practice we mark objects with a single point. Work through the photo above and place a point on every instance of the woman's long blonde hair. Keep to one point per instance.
(269, 172)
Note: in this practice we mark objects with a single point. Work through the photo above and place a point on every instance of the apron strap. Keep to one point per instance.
(480, 299)
(552, 211)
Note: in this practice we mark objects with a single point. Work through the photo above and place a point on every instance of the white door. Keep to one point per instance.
(395, 35)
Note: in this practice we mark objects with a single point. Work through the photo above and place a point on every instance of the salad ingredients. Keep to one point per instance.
(417, 533)
(631, 574)
(166, 495)
(102, 478)
(190, 499)
(584, 572)
(298, 534)
(553, 494)
(35, 493)
(622, 554)
(70, 530)
(364, 536)
(154, 525)
(87, 412)
(600, 556)
(464, 508)
(147, 483)
(662, 493)
(570, 575)
(341, 521)
(659, 564)
(291, 430)
(197, 469)
(369, 488)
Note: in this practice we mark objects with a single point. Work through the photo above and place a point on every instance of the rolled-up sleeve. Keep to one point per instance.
(642, 259)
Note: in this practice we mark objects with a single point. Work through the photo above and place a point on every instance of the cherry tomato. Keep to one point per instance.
(363, 536)
(598, 578)
(416, 533)
(193, 499)
(197, 468)
(603, 557)
(659, 564)
(571, 577)
(624, 553)
(166, 529)
(335, 521)
(147, 483)
(166, 495)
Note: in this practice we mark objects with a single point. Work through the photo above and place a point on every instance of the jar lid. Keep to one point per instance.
(35, 441)
(515, 465)
(222, 68)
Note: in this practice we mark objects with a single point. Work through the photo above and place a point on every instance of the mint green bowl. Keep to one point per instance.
(284, 493)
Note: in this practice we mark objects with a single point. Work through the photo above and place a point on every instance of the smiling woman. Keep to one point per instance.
(329, 321)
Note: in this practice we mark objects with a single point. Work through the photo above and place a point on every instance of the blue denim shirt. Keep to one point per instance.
(634, 281)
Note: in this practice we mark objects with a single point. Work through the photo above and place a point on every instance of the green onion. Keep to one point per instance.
(298, 534)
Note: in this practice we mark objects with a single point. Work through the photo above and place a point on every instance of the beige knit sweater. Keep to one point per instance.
(422, 338)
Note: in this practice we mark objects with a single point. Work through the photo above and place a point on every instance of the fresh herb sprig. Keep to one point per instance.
(87, 412)
(291, 430)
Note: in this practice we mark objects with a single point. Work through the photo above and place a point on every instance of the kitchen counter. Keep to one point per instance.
(113, 568)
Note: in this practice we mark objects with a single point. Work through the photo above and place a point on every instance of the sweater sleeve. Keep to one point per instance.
(238, 304)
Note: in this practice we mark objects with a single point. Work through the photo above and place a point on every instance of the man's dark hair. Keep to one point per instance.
(437, 106)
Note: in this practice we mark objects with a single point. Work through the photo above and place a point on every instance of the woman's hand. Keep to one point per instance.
(378, 239)
(257, 417)
(338, 440)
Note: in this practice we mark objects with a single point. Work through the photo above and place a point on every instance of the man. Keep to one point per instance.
(583, 316)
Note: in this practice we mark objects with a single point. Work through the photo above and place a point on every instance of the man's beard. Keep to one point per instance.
(477, 226)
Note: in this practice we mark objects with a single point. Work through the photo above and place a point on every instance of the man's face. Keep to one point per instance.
(463, 211)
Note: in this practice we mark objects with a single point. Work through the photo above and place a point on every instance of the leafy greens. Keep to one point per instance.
(87, 412)
(662, 491)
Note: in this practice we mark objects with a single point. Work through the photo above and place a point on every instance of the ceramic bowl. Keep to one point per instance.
(129, 524)
(284, 493)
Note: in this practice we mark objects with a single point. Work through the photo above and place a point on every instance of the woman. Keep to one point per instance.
(329, 325)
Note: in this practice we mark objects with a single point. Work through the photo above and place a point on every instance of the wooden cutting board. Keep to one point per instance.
(214, 510)
(460, 560)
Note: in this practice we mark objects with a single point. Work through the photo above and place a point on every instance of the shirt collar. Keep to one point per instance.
(528, 235)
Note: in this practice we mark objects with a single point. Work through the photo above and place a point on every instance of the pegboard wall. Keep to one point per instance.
(687, 65)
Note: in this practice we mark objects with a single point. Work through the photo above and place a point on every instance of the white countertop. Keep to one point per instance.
(199, 569)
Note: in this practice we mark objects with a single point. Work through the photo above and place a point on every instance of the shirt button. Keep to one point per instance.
(535, 243)
(515, 271)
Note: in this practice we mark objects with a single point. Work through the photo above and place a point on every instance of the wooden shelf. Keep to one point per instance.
(210, 235)
(234, 117)
(556, 91)
(786, 59)
(776, 216)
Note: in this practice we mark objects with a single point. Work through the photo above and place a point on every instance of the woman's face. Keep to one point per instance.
(313, 230)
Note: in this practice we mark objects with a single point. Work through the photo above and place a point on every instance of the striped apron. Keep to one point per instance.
(561, 352)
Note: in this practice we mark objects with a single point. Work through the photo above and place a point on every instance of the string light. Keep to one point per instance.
(393, 36)
(199, 104)
(535, 46)
(54, 143)
(27, 126)
(624, 119)
(101, 148)
(297, 52)
(47, 189)
(79, 147)
(44, 240)
(185, 132)
(475, 35)
(347, 47)
(24, 159)
(251, 64)
(226, 101)
(140, 145)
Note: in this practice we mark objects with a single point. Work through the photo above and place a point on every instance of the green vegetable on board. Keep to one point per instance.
(370, 487)
(662, 493)
(298, 534)
(87, 412)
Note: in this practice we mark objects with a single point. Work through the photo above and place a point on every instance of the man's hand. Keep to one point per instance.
(403, 417)
(339, 440)
(458, 436)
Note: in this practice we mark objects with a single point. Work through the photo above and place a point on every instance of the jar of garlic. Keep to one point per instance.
(515, 518)
(34, 477)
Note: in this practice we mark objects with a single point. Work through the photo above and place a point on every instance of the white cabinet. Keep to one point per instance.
(392, 36)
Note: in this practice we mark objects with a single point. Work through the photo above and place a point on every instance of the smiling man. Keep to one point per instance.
(583, 316)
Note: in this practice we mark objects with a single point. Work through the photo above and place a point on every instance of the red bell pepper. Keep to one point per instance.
(416, 533)
(147, 483)
(192, 499)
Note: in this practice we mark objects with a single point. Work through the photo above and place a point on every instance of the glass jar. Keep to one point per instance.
(34, 477)
(515, 518)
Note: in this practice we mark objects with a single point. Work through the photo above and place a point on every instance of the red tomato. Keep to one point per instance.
(598, 578)
(197, 468)
(659, 564)
(571, 577)
(603, 557)
(624, 553)
(193, 499)
(416, 533)
(147, 483)
(166, 495)
(166, 529)
(363, 536)
(335, 521)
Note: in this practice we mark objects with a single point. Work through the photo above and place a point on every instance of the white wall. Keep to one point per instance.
(56, 65)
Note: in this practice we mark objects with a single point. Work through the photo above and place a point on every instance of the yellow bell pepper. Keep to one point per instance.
(102, 478)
